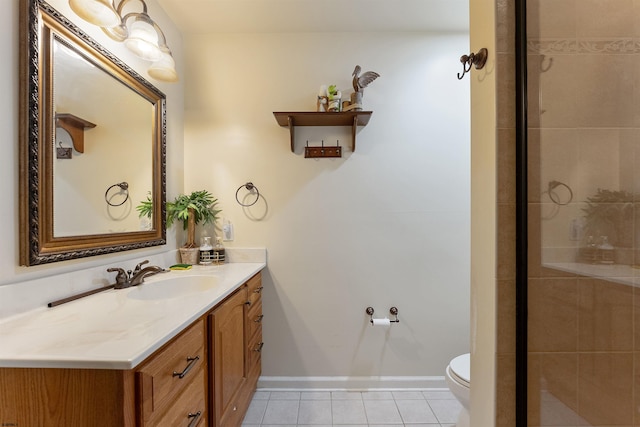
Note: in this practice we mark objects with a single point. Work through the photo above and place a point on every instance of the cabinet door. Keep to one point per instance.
(228, 358)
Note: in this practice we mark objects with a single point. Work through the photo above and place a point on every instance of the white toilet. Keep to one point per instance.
(458, 375)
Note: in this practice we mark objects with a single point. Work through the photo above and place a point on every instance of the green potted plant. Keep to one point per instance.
(609, 213)
(195, 208)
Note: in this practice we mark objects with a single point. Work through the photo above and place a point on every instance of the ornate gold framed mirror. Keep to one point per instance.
(92, 145)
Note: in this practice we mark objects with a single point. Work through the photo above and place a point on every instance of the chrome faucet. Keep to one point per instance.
(125, 279)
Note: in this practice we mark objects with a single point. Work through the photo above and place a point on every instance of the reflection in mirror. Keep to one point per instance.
(117, 149)
(89, 125)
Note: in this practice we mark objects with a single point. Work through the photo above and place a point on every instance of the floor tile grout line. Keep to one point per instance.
(360, 397)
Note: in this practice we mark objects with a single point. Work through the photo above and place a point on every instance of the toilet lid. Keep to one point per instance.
(461, 367)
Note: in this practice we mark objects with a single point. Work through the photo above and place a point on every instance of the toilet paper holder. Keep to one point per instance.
(392, 310)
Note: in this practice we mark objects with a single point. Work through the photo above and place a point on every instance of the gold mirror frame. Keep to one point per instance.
(39, 22)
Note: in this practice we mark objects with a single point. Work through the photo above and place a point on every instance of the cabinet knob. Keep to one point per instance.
(259, 318)
(259, 347)
(258, 290)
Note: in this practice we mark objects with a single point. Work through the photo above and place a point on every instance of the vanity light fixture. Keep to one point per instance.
(137, 30)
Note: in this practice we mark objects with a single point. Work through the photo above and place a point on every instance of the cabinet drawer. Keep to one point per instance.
(171, 370)
(254, 317)
(189, 410)
(254, 287)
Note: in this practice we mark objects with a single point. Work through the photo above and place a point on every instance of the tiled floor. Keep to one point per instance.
(352, 409)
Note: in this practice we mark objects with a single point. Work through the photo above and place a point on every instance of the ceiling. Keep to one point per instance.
(220, 16)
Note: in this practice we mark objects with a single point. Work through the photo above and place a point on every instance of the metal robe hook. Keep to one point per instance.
(476, 59)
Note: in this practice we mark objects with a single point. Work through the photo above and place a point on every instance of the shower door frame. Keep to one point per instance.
(521, 410)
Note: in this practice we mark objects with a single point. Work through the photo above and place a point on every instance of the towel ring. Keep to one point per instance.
(124, 187)
(250, 187)
(556, 199)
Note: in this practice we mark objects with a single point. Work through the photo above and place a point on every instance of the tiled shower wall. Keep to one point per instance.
(583, 129)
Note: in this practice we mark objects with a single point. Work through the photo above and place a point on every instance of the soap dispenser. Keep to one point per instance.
(219, 252)
(606, 251)
(206, 251)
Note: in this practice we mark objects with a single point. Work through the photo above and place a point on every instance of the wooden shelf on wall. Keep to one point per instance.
(313, 118)
(75, 126)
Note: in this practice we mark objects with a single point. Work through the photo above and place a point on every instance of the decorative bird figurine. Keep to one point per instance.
(362, 81)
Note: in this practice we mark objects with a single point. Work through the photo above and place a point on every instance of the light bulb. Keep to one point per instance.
(97, 12)
(164, 69)
(143, 39)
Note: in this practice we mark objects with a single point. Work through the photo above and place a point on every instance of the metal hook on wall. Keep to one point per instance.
(473, 59)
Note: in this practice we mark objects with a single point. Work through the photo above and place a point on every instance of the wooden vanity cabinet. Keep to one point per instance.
(235, 334)
(254, 338)
(205, 376)
(228, 376)
(39, 397)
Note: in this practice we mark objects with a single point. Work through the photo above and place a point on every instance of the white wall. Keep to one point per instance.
(11, 273)
(483, 216)
(387, 225)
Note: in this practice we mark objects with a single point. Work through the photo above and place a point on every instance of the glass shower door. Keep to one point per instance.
(583, 335)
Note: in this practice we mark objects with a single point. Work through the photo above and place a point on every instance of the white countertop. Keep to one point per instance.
(117, 329)
(619, 273)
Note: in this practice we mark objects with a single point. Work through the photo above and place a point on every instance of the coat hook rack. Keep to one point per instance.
(476, 59)
(323, 151)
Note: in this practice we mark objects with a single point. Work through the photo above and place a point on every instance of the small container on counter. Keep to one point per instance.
(206, 251)
(219, 256)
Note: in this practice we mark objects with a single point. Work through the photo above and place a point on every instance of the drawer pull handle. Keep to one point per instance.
(248, 303)
(259, 347)
(192, 361)
(258, 290)
(259, 318)
(196, 418)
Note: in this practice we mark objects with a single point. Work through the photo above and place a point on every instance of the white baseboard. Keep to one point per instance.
(352, 383)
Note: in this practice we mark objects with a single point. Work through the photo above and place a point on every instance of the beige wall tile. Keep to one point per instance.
(553, 316)
(506, 90)
(605, 316)
(605, 388)
(603, 86)
(605, 18)
(598, 161)
(558, 161)
(506, 166)
(636, 321)
(535, 63)
(506, 241)
(534, 187)
(552, 383)
(558, 91)
(506, 322)
(506, 372)
(506, 27)
(551, 18)
(636, 387)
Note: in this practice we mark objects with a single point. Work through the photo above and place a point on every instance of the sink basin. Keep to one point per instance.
(173, 287)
